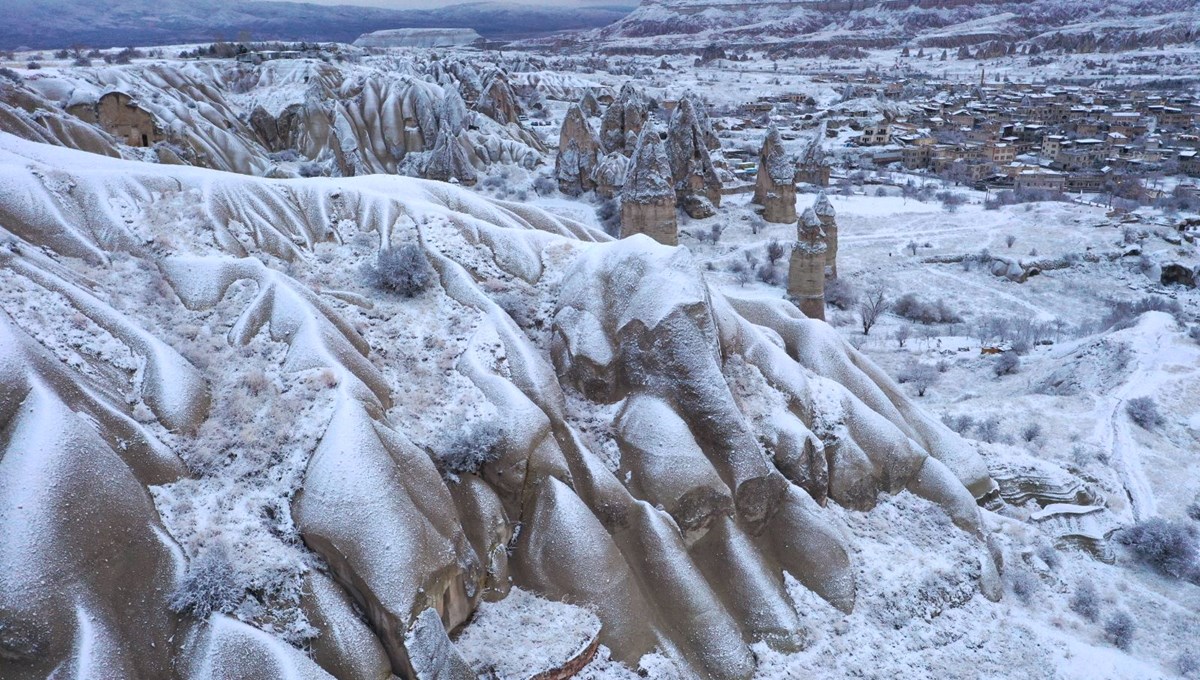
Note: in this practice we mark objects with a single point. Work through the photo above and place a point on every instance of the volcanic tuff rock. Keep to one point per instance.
(648, 196)
(623, 120)
(806, 272)
(692, 171)
(578, 153)
(258, 420)
(348, 119)
(775, 183)
(828, 217)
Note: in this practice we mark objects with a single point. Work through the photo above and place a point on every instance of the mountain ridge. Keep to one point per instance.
(37, 25)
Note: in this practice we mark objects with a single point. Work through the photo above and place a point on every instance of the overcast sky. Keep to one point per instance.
(426, 4)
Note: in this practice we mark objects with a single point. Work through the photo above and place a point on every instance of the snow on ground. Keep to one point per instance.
(523, 635)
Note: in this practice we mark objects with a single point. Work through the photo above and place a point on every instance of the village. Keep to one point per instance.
(1020, 136)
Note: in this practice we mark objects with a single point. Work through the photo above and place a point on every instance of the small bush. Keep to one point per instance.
(1188, 664)
(910, 307)
(775, 251)
(10, 74)
(840, 293)
(921, 376)
(609, 215)
(1118, 630)
(1085, 601)
(1124, 313)
(209, 587)
(1170, 547)
(1144, 411)
(1006, 364)
(545, 186)
(1024, 585)
(311, 169)
(771, 275)
(1031, 432)
(960, 424)
(988, 430)
(81, 61)
(404, 270)
(1194, 333)
(33, 65)
(475, 445)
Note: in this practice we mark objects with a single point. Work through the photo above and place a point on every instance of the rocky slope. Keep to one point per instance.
(220, 446)
(884, 23)
(280, 118)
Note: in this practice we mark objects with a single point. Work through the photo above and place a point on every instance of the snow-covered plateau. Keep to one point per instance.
(448, 363)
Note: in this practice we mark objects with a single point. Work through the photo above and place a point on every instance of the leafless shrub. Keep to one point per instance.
(404, 270)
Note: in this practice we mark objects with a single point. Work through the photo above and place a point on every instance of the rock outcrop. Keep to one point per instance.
(806, 271)
(661, 455)
(591, 107)
(578, 153)
(623, 120)
(828, 216)
(648, 195)
(610, 174)
(775, 183)
(812, 167)
(697, 187)
(498, 101)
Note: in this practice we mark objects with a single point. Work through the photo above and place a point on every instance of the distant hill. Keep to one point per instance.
(667, 24)
(44, 24)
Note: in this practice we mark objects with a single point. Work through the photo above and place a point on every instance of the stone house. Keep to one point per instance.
(119, 115)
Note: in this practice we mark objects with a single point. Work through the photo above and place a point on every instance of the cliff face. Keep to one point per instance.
(234, 434)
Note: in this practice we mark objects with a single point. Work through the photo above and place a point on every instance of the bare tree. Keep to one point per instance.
(774, 250)
(872, 306)
(921, 376)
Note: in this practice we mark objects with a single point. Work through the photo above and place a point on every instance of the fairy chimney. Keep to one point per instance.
(806, 273)
(623, 121)
(591, 107)
(448, 161)
(824, 210)
(775, 185)
(498, 101)
(648, 197)
(697, 187)
(812, 166)
(578, 151)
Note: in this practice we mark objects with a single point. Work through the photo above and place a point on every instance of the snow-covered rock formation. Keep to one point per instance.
(689, 135)
(420, 37)
(281, 117)
(806, 269)
(828, 217)
(648, 193)
(578, 154)
(216, 436)
(623, 120)
(775, 183)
